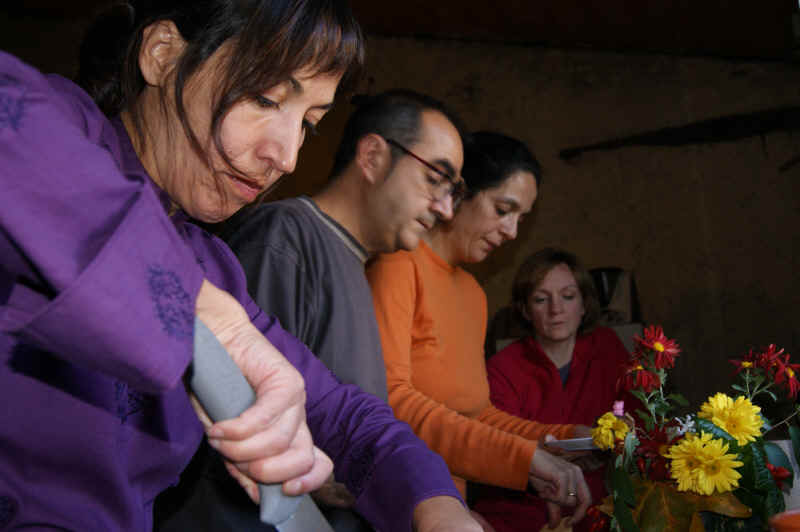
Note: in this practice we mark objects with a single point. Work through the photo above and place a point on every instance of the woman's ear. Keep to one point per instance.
(522, 308)
(162, 45)
(373, 157)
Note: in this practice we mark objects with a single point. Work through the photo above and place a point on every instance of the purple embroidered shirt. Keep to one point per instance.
(97, 291)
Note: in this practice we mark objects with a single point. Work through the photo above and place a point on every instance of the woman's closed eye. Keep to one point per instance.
(266, 103)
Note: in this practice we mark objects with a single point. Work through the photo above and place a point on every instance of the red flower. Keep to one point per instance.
(747, 362)
(665, 350)
(786, 374)
(652, 446)
(599, 521)
(779, 474)
(767, 360)
(638, 377)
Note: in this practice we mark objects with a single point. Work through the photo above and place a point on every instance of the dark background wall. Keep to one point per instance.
(707, 217)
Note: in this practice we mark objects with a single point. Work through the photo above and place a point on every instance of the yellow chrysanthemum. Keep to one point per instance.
(740, 418)
(609, 429)
(685, 462)
(702, 465)
(718, 471)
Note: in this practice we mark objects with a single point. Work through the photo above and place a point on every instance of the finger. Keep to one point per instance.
(249, 486)
(272, 407)
(297, 461)
(584, 500)
(200, 411)
(553, 514)
(269, 440)
(320, 472)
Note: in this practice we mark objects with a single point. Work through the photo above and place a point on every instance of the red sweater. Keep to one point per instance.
(524, 382)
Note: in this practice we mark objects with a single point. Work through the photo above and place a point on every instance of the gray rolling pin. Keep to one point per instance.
(224, 393)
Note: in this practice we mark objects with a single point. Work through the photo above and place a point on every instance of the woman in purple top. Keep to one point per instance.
(102, 275)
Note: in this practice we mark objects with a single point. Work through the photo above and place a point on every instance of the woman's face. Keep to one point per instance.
(491, 217)
(555, 308)
(261, 138)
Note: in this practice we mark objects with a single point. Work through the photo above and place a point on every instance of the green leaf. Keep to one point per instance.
(739, 388)
(747, 471)
(624, 518)
(678, 398)
(762, 477)
(778, 458)
(774, 502)
(640, 395)
(623, 488)
(751, 499)
(705, 425)
(630, 444)
(772, 395)
(794, 434)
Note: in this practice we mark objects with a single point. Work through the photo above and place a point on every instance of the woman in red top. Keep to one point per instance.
(564, 372)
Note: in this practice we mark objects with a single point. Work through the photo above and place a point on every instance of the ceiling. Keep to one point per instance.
(727, 28)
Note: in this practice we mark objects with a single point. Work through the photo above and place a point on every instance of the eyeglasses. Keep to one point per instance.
(446, 185)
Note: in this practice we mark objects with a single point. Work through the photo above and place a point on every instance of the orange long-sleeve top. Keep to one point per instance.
(432, 320)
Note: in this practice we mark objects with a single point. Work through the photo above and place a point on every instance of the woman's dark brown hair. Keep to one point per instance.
(270, 40)
(536, 267)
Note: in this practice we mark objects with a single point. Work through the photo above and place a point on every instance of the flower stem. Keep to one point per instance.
(781, 422)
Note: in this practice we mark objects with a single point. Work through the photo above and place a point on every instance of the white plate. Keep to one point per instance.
(574, 444)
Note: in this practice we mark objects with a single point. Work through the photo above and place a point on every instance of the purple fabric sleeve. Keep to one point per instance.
(383, 463)
(92, 264)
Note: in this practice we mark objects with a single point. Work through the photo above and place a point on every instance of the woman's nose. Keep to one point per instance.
(509, 228)
(280, 144)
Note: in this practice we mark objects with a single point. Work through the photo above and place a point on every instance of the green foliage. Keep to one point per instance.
(678, 398)
(630, 445)
(794, 434)
(757, 487)
(704, 425)
(624, 499)
(778, 458)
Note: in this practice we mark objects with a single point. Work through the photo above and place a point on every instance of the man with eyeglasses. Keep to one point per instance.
(396, 172)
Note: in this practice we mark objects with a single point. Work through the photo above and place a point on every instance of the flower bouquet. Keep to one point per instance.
(712, 470)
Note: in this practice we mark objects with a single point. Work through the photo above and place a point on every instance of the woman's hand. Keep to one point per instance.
(270, 441)
(561, 484)
(444, 514)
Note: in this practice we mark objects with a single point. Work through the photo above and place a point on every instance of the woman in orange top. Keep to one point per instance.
(432, 317)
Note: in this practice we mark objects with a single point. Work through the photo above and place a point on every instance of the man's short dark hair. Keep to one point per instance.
(394, 114)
